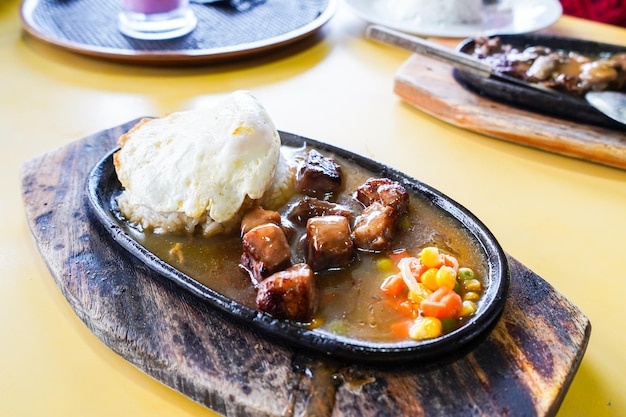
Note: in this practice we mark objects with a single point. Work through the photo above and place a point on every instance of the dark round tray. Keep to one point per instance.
(90, 27)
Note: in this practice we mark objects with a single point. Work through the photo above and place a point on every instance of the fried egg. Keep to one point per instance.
(197, 162)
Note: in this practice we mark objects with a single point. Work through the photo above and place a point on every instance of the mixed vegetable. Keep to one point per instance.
(431, 291)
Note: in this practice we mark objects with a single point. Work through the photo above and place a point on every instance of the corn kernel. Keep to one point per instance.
(429, 279)
(468, 309)
(419, 293)
(446, 277)
(472, 285)
(425, 328)
(315, 323)
(471, 296)
(429, 256)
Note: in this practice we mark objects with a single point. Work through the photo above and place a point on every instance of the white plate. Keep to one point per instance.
(511, 17)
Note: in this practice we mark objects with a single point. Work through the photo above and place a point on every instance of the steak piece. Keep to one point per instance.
(375, 227)
(309, 207)
(385, 191)
(318, 175)
(329, 243)
(257, 216)
(289, 294)
(542, 68)
(265, 251)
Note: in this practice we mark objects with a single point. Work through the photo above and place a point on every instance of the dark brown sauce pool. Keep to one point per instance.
(350, 301)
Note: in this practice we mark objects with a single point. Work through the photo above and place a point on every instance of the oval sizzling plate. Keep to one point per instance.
(103, 186)
(558, 105)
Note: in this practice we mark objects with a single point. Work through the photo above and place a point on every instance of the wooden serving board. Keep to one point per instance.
(523, 368)
(430, 86)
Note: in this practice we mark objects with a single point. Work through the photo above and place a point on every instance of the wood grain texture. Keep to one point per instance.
(523, 368)
(430, 86)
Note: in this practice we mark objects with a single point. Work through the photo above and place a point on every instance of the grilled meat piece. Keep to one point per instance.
(385, 191)
(257, 216)
(542, 68)
(318, 175)
(309, 207)
(329, 243)
(289, 294)
(375, 227)
(485, 46)
(265, 251)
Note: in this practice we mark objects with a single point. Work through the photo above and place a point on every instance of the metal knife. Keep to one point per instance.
(458, 60)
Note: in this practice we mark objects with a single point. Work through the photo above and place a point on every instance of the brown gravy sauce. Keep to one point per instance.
(350, 301)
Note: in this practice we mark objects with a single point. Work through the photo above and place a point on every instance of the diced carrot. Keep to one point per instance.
(443, 303)
(408, 308)
(432, 308)
(393, 285)
(405, 307)
(396, 255)
(400, 329)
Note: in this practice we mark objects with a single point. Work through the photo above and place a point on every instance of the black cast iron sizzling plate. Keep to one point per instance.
(103, 186)
(558, 105)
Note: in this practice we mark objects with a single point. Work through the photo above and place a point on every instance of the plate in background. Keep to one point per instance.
(564, 106)
(524, 16)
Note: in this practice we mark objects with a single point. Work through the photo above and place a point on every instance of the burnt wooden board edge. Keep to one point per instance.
(430, 86)
(524, 367)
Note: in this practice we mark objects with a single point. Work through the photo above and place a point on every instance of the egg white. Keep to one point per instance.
(201, 161)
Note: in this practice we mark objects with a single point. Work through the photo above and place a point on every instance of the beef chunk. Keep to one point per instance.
(309, 207)
(265, 251)
(318, 175)
(257, 216)
(542, 68)
(375, 227)
(485, 46)
(289, 294)
(329, 244)
(385, 191)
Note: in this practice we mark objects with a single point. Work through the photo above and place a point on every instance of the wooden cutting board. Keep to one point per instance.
(523, 368)
(430, 86)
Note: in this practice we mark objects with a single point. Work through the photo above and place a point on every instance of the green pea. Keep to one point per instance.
(338, 327)
(466, 273)
(384, 265)
(447, 325)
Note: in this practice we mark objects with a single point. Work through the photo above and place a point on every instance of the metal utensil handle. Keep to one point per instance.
(415, 44)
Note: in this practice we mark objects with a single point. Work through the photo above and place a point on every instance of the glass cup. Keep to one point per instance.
(156, 19)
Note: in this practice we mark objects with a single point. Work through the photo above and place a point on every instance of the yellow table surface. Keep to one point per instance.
(565, 219)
